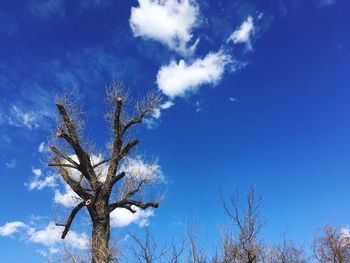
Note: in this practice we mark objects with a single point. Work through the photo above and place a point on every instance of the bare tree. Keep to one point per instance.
(147, 249)
(176, 252)
(246, 246)
(285, 253)
(332, 245)
(98, 177)
(196, 254)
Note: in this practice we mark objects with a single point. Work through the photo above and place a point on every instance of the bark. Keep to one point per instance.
(101, 234)
(100, 242)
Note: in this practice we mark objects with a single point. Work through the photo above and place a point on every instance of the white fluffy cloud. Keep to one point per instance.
(244, 33)
(178, 79)
(168, 21)
(49, 236)
(68, 198)
(121, 217)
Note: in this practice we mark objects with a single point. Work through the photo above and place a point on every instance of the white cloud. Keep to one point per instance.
(101, 170)
(20, 118)
(168, 21)
(232, 99)
(39, 184)
(166, 105)
(51, 236)
(178, 79)
(11, 228)
(36, 172)
(151, 122)
(121, 217)
(136, 168)
(43, 147)
(11, 164)
(244, 33)
(68, 198)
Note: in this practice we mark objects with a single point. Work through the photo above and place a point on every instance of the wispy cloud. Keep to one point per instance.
(198, 106)
(47, 9)
(42, 148)
(232, 99)
(93, 4)
(8, 24)
(11, 164)
(11, 227)
(40, 181)
(20, 118)
(244, 33)
(170, 21)
(324, 3)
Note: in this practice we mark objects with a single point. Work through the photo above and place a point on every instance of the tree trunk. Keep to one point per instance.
(100, 237)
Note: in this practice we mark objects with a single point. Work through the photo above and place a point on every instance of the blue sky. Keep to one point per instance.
(257, 92)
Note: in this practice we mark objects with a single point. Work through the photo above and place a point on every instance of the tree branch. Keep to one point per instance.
(117, 141)
(73, 184)
(67, 122)
(137, 119)
(85, 165)
(117, 178)
(71, 218)
(127, 148)
(62, 165)
(137, 189)
(100, 163)
(64, 156)
(127, 202)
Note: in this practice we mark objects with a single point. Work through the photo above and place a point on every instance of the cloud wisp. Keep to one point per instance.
(244, 33)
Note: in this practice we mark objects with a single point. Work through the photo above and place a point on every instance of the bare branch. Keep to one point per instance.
(62, 165)
(64, 156)
(68, 122)
(139, 204)
(146, 107)
(71, 218)
(77, 188)
(116, 179)
(148, 250)
(100, 163)
(127, 148)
